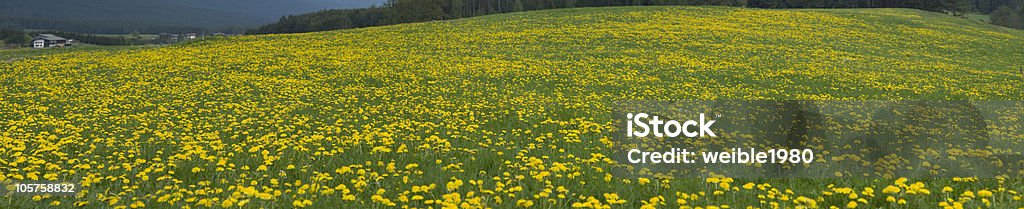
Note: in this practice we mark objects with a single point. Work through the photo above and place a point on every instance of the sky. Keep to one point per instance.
(199, 13)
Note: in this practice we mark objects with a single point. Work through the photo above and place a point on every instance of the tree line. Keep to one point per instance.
(1005, 12)
(1008, 16)
(14, 38)
(18, 38)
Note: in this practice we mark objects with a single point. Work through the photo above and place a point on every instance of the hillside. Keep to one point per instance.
(501, 111)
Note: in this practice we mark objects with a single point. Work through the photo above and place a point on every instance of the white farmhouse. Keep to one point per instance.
(49, 40)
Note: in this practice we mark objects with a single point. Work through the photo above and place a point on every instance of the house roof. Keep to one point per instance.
(50, 37)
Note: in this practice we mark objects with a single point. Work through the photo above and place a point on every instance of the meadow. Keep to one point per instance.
(500, 111)
(11, 55)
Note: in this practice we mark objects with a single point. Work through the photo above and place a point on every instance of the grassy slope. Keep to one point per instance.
(479, 84)
(21, 53)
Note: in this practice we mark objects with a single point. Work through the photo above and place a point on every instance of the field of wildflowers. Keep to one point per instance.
(500, 111)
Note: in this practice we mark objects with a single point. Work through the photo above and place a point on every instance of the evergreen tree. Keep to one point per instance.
(1007, 17)
(956, 7)
(403, 11)
(15, 37)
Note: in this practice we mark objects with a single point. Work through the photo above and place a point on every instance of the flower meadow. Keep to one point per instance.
(501, 111)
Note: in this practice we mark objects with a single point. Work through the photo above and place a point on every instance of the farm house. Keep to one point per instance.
(49, 40)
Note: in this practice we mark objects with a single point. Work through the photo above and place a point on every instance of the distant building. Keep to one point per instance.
(190, 36)
(49, 40)
(167, 38)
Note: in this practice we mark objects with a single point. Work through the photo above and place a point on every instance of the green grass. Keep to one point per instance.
(141, 36)
(8, 55)
(499, 99)
(979, 17)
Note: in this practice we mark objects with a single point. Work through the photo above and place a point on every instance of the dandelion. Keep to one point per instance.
(524, 203)
(984, 193)
(489, 112)
(643, 181)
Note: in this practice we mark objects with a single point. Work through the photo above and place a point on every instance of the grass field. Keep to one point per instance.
(9, 55)
(509, 110)
(141, 36)
(979, 17)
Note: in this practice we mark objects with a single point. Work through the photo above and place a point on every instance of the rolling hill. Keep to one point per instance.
(508, 110)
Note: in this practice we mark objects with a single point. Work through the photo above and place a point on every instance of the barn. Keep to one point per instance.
(49, 40)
